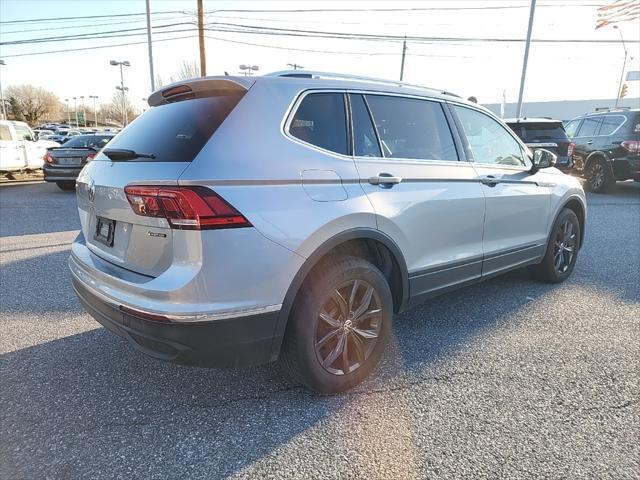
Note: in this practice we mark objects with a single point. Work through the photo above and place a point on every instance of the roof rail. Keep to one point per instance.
(610, 109)
(345, 76)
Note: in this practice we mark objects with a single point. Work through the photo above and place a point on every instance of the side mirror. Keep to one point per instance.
(543, 158)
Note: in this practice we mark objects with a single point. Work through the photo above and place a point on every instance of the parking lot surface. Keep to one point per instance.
(506, 379)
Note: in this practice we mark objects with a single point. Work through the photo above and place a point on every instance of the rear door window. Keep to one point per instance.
(176, 132)
(610, 123)
(589, 127)
(321, 120)
(412, 128)
(365, 140)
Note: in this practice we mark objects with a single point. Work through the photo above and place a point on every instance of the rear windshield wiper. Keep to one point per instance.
(116, 154)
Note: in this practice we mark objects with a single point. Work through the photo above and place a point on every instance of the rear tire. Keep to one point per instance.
(599, 178)
(339, 326)
(562, 250)
(67, 186)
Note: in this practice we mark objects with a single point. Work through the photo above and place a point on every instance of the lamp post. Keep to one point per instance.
(624, 65)
(75, 109)
(4, 110)
(95, 112)
(122, 88)
(247, 69)
(84, 111)
(66, 100)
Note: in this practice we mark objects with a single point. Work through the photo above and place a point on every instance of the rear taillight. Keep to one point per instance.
(47, 158)
(570, 149)
(185, 208)
(90, 157)
(632, 146)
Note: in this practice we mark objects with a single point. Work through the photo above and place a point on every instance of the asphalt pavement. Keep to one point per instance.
(506, 379)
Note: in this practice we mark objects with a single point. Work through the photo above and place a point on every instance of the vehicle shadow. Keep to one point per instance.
(90, 405)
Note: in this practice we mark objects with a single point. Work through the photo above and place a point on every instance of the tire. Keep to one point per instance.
(67, 186)
(599, 177)
(557, 265)
(312, 340)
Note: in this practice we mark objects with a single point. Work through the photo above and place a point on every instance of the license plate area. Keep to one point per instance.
(70, 161)
(105, 231)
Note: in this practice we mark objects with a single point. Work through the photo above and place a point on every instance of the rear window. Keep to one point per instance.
(176, 132)
(86, 141)
(531, 132)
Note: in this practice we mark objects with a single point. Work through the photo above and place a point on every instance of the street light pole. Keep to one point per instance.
(526, 58)
(404, 53)
(295, 66)
(66, 100)
(84, 111)
(95, 111)
(4, 109)
(75, 109)
(624, 65)
(122, 88)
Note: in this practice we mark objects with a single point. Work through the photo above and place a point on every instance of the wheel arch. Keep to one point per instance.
(594, 156)
(367, 243)
(575, 204)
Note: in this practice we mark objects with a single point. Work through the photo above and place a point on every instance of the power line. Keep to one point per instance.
(96, 47)
(299, 10)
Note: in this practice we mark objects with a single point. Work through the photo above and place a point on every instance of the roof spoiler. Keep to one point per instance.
(198, 87)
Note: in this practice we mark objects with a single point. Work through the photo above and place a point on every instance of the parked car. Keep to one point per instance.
(20, 148)
(63, 164)
(607, 147)
(244, 219)
(545, 133)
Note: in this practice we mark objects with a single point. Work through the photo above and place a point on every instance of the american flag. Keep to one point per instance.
(618, 11)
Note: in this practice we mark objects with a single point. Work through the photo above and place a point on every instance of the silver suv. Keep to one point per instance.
(290, 216)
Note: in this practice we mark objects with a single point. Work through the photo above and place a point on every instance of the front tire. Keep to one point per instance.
(339, 326)
(66, 186)
(562, 250)
(599, 178)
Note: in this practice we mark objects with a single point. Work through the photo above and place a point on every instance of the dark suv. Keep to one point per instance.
(607, 147)
(545, 133)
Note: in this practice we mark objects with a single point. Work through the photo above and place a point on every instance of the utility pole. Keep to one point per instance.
(66, 100)
(203, 60)
(404, 52)
(526, 58)
(84, 112)
(153, 82)
(295, 66)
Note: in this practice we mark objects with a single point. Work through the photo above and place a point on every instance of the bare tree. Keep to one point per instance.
(31, 103)
(113, 113)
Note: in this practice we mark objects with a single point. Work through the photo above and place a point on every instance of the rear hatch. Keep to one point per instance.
(172, 132)
(548, 135)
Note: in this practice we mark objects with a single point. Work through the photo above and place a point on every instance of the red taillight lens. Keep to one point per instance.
(90, 157)
(570, 149)
(186, 208)
(47, 158)
(632, 146)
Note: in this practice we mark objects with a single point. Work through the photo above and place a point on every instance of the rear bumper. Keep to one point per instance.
(58, 174)
(228, 342)
(625, 168)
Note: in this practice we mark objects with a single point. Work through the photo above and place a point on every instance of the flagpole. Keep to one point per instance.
(624, 65)
(526, 58)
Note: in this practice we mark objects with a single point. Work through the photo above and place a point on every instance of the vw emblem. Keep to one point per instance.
(91, 190)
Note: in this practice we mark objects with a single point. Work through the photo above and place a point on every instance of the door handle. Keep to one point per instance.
(490, 181)
(589, 142)
(385, 180)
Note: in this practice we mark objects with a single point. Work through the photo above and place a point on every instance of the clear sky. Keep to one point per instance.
(556, 70)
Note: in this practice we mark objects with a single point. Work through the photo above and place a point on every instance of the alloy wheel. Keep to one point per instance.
(348, 327)
(596, 179)
(564, 247)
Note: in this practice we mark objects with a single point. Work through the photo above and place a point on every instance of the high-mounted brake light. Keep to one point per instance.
(180, 89)
(185, 208)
